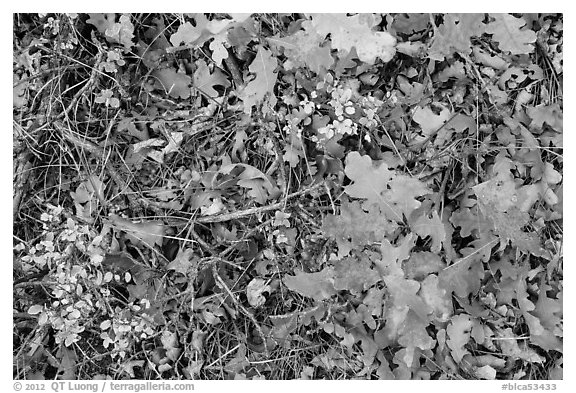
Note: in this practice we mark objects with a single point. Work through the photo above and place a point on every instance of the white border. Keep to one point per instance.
(300, 6)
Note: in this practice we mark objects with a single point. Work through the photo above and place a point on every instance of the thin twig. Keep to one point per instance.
(137, 204)
(439, 197)
(254, 210)
(22, 175)
(93, 78)
(222, 285)
(233, 68)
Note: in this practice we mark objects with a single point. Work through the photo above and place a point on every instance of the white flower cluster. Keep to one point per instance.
(126, 329)
(370, 105)
(348, 110)
(344, 127)
(78, 289)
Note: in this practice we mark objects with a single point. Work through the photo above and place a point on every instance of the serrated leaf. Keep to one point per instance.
(511, 37)
(458, 125)
(121, 32)
(484, 58)
(549, 310)
(187, 33)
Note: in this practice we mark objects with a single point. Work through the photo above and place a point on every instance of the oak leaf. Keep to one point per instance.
(205, 81)
(354, 275)
(347, 32)
(259, 184)
(151, 233)
(421, 264)
(454, 35)
(304, 48)
(498, 202)
(546, 114)
(511, 37)
(458, 332)
(391, 262)
(429, 121)
(174, 83)
(355, 228)
(318, 286)
(184, 262)
(429, 224)
(437, 298)
(190, 34)
(263, 67)
(369, 181)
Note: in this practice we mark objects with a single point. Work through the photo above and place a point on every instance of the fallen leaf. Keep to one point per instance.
(254, 292)
(511, 37)
(128, 367)
(485, 372)
(184, 262)
(205, 81)
(175, 84)
(458, 335)
(263, 67)
(151, 233)
(429, 121)
(318, 286)
(430, 225)
(454, 35)
(347, 32)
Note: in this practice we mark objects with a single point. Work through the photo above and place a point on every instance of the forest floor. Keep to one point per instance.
(288, 196)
